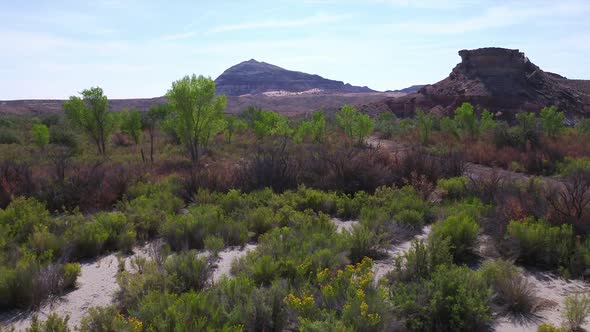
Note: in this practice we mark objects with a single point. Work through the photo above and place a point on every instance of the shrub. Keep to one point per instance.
(148, 213)
(461, 230)
(8, 137)
(63, 137)
(53, 323)
(105, 319)
(548, 327)
(214, 244)
(454, 188)
(411, 218)
(22, 217)
(576, 310)
(454, 299)
(104, 231)
(512, 290)
(71, 272)
(260, 220)
(363, 243)
(542, 244)
(421, 260)
(185, 271)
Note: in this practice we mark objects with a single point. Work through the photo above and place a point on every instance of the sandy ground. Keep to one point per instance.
(227, 257)
(97, 285)
(384, 266)
(553, 290)
(342, 225)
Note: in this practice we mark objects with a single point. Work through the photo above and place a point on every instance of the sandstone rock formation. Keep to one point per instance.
(503, 81)
(253, 77)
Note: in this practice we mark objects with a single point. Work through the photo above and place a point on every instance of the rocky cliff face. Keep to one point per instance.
(253, 77)
(501, 80)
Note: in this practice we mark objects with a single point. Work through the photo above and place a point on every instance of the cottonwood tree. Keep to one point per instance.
(552, 121)
(425, 123)
(91, 115)
(233, 125)
(197, 113)
(40, 134)
(356, 126)
(131, 125)
(315, 128)
(151, 120)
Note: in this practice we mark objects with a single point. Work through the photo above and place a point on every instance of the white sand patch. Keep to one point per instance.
(342, 225)
(384, 266)
(96, 286)
(227, 257)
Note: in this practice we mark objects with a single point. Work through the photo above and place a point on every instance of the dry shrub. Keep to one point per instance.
(120, 139)
(570, 203)
(16, 179)
(219, 177)
(90, 187)
(337, 167)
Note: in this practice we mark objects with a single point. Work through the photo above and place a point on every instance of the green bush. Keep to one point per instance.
(214, 244)
(541, 244)
(421, 260)
(363, 242)
(53, 323)
(461, 230)
(149, 212)
(260, 220)
(103, 231)
(454, 188)
(63, 137)
(454, 299)
(512, 290)
(188, 231)
(185, 271)
(8, 137)
(23, 217)
(548, 327)
(71, 272)
(411, 218)
(104, 319)
(576, 311)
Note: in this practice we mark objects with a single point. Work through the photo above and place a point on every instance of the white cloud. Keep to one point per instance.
(494, 17)
(276, 23)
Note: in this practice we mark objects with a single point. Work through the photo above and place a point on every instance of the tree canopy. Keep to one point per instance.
(197, 113)
(91, 115)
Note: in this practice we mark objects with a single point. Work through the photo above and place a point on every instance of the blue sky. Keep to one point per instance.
(133, 48)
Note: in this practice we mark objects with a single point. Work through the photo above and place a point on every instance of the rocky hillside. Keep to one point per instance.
(503, 81)
(253, 77)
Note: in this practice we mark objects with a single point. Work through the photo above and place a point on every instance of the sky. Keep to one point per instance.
(137, 48)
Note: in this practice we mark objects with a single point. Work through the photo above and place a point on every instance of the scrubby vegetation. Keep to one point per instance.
(194, 182)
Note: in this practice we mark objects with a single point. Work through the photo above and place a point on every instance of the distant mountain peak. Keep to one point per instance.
(256, 77)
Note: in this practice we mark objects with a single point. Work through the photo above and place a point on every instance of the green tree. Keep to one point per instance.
(356, 126)
(40, 134)
(269, 123)
(346, 119)
(487, 121)
(467, 120)
(131, 124)
(552, 121)
(233, 126)
(386, 124)
(425, 123)
(315, 128)
(197, 113)
(91, 115)
(527, 128)
(151, 120)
